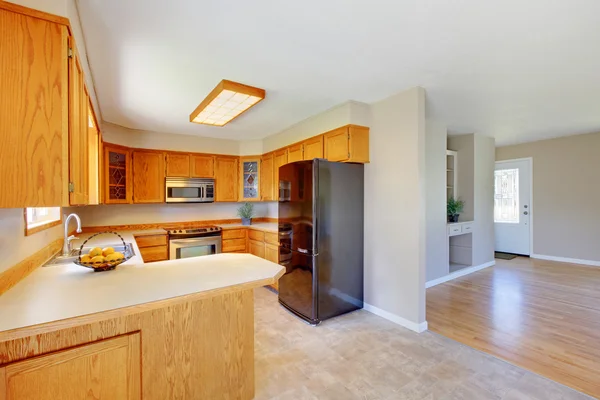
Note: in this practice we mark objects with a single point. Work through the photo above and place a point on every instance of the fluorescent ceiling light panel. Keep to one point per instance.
(226, 102)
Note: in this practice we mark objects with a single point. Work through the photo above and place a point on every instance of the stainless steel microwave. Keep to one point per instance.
(189, 190)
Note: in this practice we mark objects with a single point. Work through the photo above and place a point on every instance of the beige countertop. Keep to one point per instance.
(56, 293)
(261, 226)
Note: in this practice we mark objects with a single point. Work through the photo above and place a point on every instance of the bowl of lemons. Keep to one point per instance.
(101, 259)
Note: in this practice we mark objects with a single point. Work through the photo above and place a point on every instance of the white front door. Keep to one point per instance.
(512, 206)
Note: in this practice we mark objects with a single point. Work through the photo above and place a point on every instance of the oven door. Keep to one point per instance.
(179, 190)
(194, 247)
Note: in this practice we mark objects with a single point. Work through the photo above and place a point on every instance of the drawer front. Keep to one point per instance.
(156, 253)
(454, 230)
(233, 234)
(150, 241)
(259, 236)
(272, 238)
(231, 245)
(467, 228)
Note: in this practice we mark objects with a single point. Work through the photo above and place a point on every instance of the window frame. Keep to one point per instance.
(41, 226)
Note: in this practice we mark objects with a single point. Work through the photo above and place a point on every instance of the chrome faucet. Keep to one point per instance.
(67, 243)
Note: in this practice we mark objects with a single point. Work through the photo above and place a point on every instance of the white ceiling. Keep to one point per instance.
(518, 70)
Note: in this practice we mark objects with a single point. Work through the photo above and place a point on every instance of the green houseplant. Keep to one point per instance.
(246, 212)
(454, 208)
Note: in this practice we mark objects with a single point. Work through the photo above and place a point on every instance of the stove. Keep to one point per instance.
(195, 232)
(194, 242)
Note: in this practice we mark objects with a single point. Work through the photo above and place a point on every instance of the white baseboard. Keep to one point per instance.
(413, 326)
(458, 274)
(567, 260)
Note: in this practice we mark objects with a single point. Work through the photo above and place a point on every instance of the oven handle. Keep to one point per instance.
(212, 239)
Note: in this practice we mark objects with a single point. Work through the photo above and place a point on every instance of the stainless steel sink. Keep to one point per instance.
(127, 250)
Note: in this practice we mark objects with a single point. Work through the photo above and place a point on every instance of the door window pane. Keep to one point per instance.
(506, 196)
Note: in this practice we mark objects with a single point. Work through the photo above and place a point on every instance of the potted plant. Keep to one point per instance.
(454, 208)
(246, 212)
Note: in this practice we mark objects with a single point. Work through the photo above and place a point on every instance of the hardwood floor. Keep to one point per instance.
(541, 315)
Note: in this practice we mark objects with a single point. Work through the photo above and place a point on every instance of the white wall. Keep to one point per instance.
(351, 112)
(395, 207)
(123, 214)
(435, 180)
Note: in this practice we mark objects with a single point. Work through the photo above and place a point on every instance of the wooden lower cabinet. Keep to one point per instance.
(108, 369)
(256, 248)
(233, 240)
(153, 247)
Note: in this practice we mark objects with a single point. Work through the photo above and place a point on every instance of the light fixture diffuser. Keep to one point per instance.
(226, 101)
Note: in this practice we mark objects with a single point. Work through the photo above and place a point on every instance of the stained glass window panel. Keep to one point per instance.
(506, 196)
(250, 179)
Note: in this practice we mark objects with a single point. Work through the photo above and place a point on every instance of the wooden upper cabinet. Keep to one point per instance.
(313, 148)
(349, 144)
(148, 176)
(107, 369)
(202, 166)
(34, 105)
(279, 158)
(267, 190)
(178, 165)
(295, 153)
(78, 132)
(226, 178)
(250, 180)
(116, 174)
(94, 152)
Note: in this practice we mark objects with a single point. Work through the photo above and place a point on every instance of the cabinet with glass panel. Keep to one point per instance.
(250, 177)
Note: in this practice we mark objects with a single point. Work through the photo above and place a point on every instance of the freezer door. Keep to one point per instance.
(297, 286)
(296, 209)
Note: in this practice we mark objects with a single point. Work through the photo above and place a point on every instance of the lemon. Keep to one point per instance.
(107, 250)
(86, 259)
(114, 257)
(98, 260)
(96, 251)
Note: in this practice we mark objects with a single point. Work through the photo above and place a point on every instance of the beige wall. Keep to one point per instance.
(435, 180)
(123, 214)
(14, 245)
(566, 194)
(395, 207)
(483, 228)
(350, 112)
(162, 141)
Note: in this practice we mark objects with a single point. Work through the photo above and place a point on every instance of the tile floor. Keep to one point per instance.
(363, 356)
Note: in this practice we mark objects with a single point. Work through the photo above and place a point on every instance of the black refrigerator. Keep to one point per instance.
(321, 238)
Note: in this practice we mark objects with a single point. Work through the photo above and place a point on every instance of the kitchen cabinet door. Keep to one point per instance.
(256, 248)
(178, 165)
(202, 166)
(93, 156)
(267, 192)
(34, 136)
(107, 369)
(250, 179)
(116, 175)
(349, 144)
(78, 132)
(226, 178)
(295, 153)
(279, 159)
(313, 148)
(272, 253)
(148, 177)
(336, 144)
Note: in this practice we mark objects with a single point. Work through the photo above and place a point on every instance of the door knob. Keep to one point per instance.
(525, 213)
